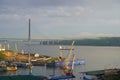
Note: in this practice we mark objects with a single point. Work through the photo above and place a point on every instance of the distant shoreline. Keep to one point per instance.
(101, 41)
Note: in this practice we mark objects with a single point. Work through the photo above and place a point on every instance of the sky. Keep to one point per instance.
(59, 18)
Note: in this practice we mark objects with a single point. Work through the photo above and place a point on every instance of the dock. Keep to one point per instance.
(95, 72)
(23, 77)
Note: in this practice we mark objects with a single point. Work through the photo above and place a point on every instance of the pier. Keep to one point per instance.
(23, 77)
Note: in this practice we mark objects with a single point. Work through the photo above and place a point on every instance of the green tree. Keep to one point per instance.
(2, 56)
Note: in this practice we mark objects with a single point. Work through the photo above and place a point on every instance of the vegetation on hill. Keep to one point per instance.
(103, 41)
(113, 77)
(2, 56)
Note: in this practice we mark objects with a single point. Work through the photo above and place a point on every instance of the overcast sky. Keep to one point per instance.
(59, 18)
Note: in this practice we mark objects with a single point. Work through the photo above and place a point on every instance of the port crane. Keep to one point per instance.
(68, 70)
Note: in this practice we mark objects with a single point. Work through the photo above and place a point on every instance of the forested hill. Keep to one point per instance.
(103, 41)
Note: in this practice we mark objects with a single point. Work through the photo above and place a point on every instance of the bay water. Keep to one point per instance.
(96, 58)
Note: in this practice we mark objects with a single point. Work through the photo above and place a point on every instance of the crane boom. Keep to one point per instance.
(73, 61)
(68, 56)
(71, 49)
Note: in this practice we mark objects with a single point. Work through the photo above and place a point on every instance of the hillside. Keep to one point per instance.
(103, 41)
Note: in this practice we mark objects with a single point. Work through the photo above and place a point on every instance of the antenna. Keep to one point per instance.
(29, 36)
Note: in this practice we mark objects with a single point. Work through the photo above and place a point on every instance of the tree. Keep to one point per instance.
(2, 57)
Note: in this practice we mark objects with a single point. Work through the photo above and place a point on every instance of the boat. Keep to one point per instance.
(84, 76)
(11, 67)
(62, 77)
(59, 64)
(77, 62)
(62, 61)
(22, 64)
(89, 77)
(2, 67)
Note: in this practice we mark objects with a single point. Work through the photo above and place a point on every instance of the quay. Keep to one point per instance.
(95, 72)
(33, 77)
(23, 77)
(106, 72)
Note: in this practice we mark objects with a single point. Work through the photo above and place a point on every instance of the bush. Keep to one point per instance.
(2, 57)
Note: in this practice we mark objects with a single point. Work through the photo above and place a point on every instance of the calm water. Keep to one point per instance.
(96, 58)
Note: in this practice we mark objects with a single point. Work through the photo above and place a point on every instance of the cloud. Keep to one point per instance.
(86, 35)
(42, 7)
(46, 15)
(67, 11)
(40, 3)
(48, 11)
(10, 16)
(54, 17)
(82, 35)
(111, 22)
